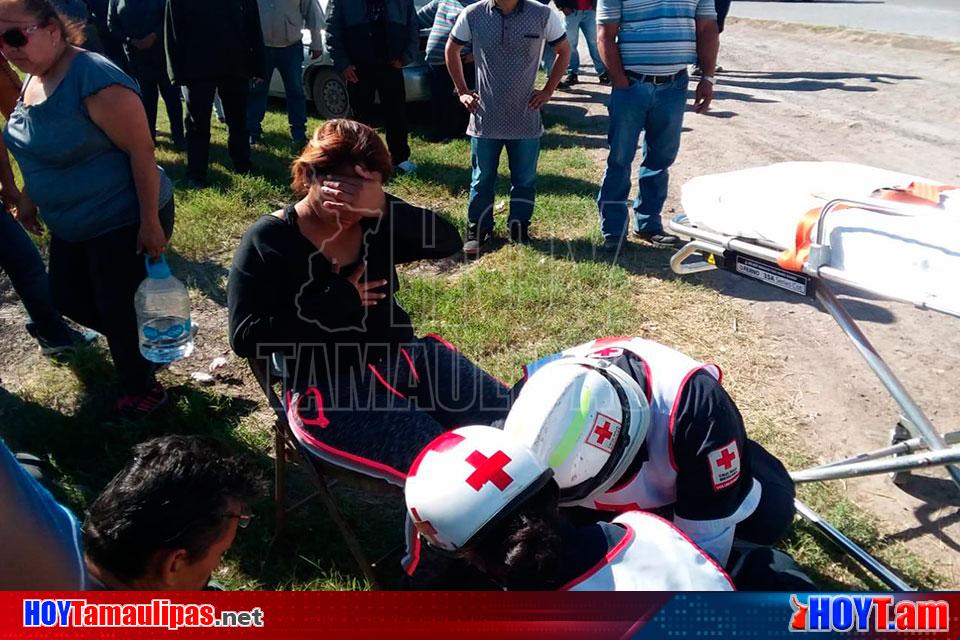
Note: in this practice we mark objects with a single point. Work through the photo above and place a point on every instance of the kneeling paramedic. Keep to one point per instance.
(481, 496)
(629, 424)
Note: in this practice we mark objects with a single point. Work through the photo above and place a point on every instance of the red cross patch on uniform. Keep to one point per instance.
(607, 352)
(724, 465)
(604, 433)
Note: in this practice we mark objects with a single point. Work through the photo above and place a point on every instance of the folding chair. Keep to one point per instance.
(286, 443)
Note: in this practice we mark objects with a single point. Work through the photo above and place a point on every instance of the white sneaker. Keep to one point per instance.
(406, 167)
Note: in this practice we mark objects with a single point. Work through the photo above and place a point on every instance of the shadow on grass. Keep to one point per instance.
(653, 262)
(90, 444)
(456, 180)
(208, 276)
(800, 531)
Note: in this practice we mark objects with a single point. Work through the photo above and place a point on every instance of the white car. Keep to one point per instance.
(328, 91)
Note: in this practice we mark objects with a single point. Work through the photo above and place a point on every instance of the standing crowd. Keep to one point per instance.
(618, 464)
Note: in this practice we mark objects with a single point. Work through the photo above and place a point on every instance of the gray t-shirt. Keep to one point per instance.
(507, 50)
(81, 181)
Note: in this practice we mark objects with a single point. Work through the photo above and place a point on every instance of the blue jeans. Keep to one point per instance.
(21, 261)
(289, 62)
(522, 156)
(656, 110)
(585, 21)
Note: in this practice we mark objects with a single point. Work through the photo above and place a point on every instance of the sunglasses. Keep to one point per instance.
(17, 37)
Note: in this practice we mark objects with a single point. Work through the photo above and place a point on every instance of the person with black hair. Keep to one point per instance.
(481, 496)
(165, 521)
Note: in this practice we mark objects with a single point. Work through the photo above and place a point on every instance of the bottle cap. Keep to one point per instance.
(157, 270)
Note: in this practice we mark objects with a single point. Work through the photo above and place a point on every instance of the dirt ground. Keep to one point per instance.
(790, 92)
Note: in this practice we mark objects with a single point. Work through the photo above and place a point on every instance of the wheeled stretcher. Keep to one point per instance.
(806, 227)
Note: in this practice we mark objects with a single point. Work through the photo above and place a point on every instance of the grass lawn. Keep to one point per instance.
(507, 308)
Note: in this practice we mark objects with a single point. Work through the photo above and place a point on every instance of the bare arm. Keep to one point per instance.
(469, 99)
(451, 54)
(541, 97)
(610, 54)
(119, 112)
(562, 49)
(708, 45)
(8, 185)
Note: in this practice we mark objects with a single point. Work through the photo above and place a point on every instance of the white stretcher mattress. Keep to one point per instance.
(916, 257)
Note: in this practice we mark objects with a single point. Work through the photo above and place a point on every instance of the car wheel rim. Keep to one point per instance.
(335, 97)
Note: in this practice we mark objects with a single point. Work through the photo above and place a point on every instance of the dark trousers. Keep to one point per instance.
(761, 568)
(774, 515)
(233, 94)
(94, 282)
(21, 261)
(149, 69)
(722, 7)
(376, 419)
(450, 118)
(288, 61)
(387, 82)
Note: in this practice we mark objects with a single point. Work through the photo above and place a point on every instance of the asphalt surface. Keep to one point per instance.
(932, 18)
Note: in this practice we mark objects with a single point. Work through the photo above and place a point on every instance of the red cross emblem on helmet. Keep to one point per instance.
(604, 433)
(488, 470)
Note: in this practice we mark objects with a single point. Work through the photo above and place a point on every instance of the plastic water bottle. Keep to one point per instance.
(163, 315)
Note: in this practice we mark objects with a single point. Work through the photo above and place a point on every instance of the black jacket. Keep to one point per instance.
(283, 292)
(134, 19)
(350, 38)
(213, 39)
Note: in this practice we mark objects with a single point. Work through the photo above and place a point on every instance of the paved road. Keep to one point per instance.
(933, 18)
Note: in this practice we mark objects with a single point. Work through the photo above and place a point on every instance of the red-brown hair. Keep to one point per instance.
(337, 144)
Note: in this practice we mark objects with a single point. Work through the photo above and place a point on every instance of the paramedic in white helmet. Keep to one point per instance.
(477, 494)
(630, 424)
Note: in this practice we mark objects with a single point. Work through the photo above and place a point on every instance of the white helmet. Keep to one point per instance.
(586, 419)
(467, 479)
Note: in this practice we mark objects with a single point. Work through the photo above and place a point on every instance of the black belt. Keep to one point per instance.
(644, 77)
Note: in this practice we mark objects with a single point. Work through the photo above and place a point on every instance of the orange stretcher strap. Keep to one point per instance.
(924, 193)
(793, 259)
(915, 193)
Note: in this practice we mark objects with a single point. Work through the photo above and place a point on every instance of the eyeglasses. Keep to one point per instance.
(243, 518)
(17, 37)
(243, 521)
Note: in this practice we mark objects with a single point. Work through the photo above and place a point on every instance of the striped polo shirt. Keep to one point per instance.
(445, 14)
(656, 37)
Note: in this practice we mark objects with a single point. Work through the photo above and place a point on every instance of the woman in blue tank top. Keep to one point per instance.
(80, 136)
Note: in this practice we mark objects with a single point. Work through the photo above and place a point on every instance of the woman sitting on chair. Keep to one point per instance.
(316, 282)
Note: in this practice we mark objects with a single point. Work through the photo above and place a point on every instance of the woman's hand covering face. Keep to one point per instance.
(361, 194)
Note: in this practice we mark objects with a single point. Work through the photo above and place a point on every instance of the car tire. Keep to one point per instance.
(329, 94)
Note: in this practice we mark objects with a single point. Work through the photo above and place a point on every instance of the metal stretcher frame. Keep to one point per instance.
(757, 261)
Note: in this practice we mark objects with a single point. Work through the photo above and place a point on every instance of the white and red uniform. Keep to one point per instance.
(652, 555)
(695, 455)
